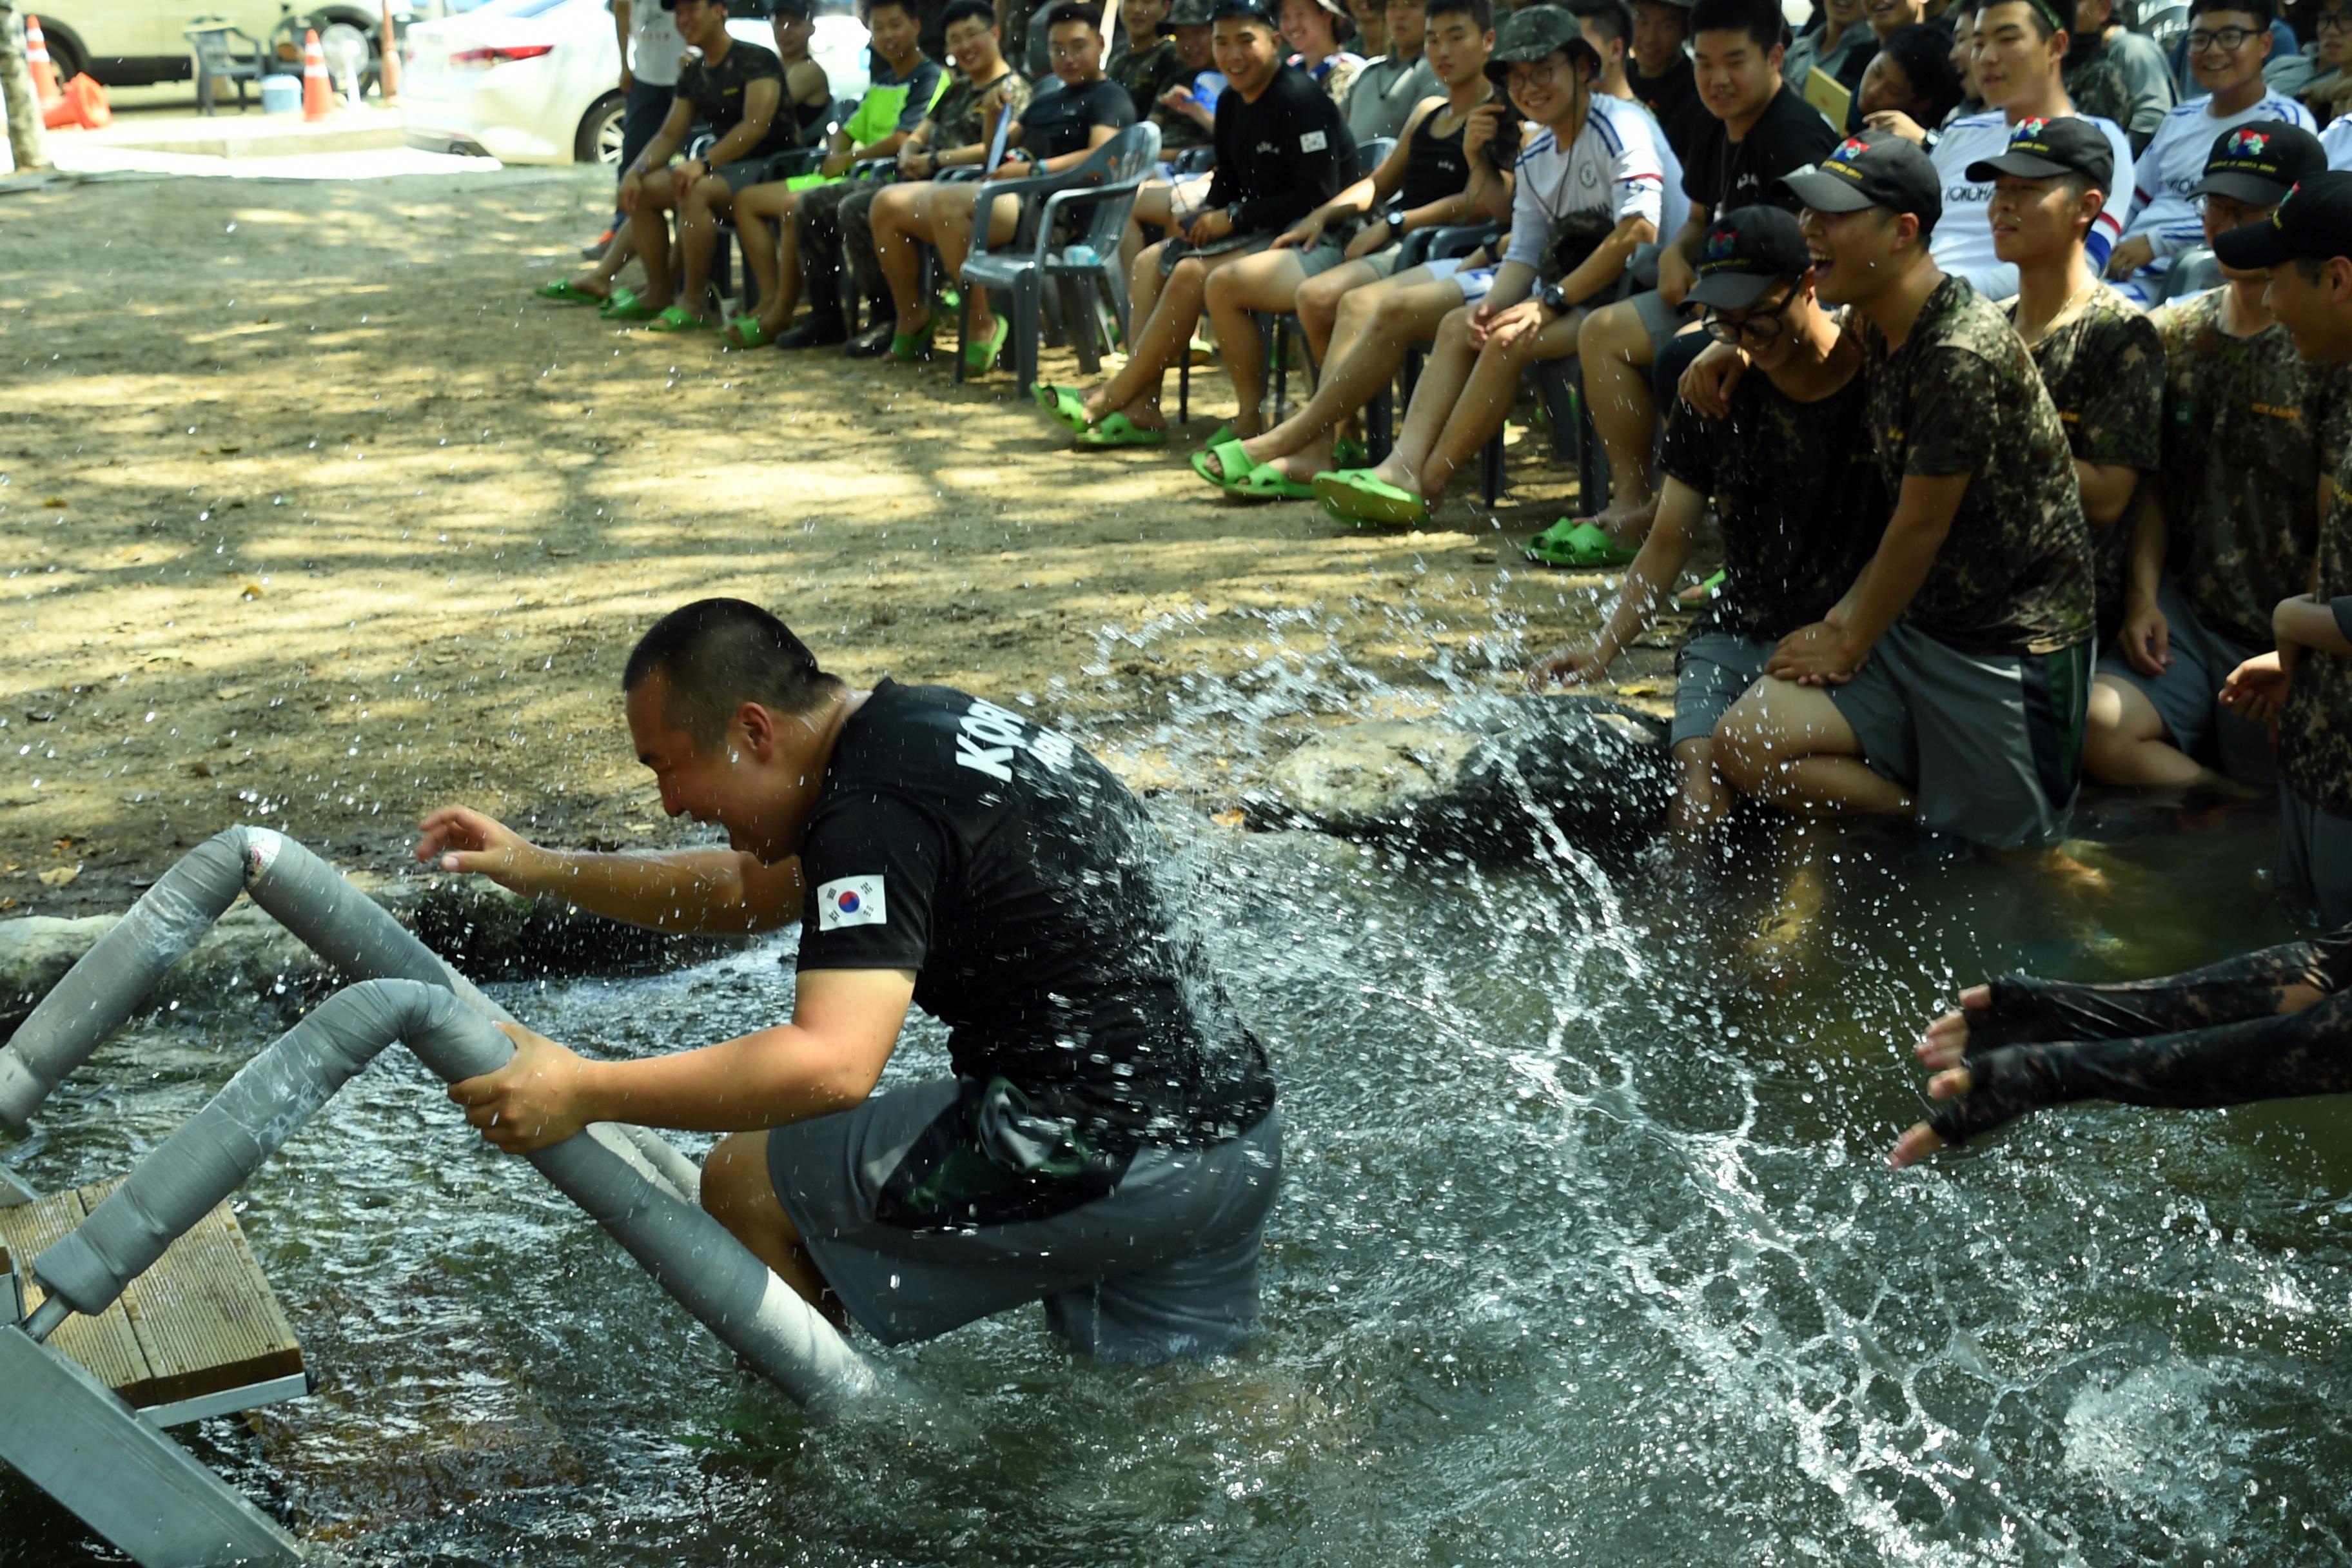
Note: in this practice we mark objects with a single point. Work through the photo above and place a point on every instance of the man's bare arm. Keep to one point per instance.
(713, 893)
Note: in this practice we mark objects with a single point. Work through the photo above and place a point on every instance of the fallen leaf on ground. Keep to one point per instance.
(1230, 818)
(61, 876)
(53, 500)
(250, 591)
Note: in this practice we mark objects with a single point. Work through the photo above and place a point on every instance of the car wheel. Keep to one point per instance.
(66, 57)
(599, 139)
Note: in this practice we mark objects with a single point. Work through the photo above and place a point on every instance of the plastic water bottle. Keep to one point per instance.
(1080, 255)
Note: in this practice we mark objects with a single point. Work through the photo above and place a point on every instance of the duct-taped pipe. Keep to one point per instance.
(304, 894)
(690, 1254)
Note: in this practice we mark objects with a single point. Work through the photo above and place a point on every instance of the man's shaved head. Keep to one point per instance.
(715, 655)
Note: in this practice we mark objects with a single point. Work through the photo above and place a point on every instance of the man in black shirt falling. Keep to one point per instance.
(1106, 1140)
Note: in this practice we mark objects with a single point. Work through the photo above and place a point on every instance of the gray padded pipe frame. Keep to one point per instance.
(714, 1276)
(306, 896)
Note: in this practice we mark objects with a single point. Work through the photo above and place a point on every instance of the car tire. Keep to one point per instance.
(64, 56)
(598, 140)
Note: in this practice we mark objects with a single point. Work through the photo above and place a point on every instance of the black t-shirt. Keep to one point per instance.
(1435, 166)
(1798, 490)
(1061, 121)
(1668, 95)
(1282, 157)
(1021, 882)
(1720, 175)
(717, 93)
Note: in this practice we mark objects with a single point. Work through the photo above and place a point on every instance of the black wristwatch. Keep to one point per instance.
(1396, 224)
(1556, 300)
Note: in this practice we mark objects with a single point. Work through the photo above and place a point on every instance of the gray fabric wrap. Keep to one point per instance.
(305, 895)
(687, 1252)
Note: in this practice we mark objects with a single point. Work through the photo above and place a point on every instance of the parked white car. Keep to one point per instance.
(136, 43)
(538, 81)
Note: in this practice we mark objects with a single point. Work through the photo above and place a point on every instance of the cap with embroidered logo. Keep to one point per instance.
(2313, 222)
(1536, 33)
(1746, 252)
(2044, 149)
(2259, 163)
(1874, 169)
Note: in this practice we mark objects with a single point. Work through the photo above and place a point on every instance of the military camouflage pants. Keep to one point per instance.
(2212, 1037)
(827, 220)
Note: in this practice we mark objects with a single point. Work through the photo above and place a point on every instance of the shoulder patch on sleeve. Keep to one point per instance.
(1314, 142)
(848, 901)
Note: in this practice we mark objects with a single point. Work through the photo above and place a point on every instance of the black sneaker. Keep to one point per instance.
(873, 341)
(816, 332)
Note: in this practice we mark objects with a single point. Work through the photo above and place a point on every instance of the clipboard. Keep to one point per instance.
(1829, 95)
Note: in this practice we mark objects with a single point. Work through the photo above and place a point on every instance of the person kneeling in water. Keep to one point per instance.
(2271, 1024)
(1105, 1141)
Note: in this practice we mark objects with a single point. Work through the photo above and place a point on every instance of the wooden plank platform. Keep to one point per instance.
(203, 1320)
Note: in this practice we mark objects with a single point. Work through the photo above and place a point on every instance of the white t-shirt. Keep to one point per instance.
(2163, 212)
(2337, 140)
(1962, 243)
(1677, 202)
(1613, 164)
(654, 42)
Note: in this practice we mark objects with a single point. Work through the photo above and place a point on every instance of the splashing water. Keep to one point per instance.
(1587, 1251)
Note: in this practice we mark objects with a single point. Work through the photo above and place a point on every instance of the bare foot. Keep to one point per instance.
(1626, 522)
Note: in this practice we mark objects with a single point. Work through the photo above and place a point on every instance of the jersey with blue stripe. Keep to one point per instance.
(1613, 164)
(2165, 213)
(1962, 243)
(2336, 143)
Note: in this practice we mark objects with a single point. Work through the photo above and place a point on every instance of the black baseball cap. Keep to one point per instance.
(2313, 222)
(1747, 251)
(1243, 11)
(1871, 169)
(2259, 163)
(1536, 33)
(2042, 149)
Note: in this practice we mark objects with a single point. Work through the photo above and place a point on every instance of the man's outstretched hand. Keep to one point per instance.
(533, 1103)
(1942, 1047)
(457, 838)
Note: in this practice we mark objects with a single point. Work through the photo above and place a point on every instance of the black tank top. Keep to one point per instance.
(1436, 167)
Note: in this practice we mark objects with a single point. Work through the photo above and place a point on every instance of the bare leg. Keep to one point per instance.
(763, 216)
(650, 227)
(1270, 281)
(2127, 742)
(1703, 803)
(1614, 349)
(1166, 332)
(954, 210)
(1434, 396)
(739, 1193)
(902, 217)
(697, 238)
(1486, 401)
(1789, 744)
(1373, 327)
(598, 280)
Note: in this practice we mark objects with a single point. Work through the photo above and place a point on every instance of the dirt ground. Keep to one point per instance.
(310, 515)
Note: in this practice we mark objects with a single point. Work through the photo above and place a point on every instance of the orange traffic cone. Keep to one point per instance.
(317, 97)
(81, 106)
(36, 54)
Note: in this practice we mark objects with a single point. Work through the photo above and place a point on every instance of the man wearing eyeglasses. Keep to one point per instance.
(1789, 474)
(2228, 42)
(2250, 431)
(2100, 358)
(1949, 683)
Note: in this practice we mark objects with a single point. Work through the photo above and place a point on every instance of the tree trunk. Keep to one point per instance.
(28, 142)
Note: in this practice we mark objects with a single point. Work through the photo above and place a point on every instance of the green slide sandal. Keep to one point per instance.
(979, 356)
(1233, 464)
(1357, 497)
(1351, 455)
(1266, 483)
(1577, 545)
(1061, 402)
(567, 292)
(1118, 430)
(624, 306)
(676, 320)
(908, 347)
(745, 332)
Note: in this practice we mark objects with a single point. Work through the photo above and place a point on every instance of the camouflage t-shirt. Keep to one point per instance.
(2314, 732)
(959, 118)
(1145, 75)
(2103, 368)
(1961, 396)
(2096, 86)
(1797, 490)
(2249, 429)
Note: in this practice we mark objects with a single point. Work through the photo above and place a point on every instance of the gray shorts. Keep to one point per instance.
(1990, 745)
(1660, 319)
(1166, 1264)
(743, 172)
(1710, 674)
(1323, 257)
(2314, 856)
(2188, 695)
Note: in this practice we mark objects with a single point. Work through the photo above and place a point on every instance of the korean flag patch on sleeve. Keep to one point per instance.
(1314, 142)
(848, 901)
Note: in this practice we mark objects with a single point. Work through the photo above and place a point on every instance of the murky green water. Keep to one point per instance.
(1587, 1254)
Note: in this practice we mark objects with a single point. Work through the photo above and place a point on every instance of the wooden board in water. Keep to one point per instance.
(203, 1320)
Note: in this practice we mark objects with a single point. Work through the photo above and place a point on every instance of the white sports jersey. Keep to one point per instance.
(1962, 243)
(1677, 204)
(2337, 141)
(1613, 164)
(2163, 212)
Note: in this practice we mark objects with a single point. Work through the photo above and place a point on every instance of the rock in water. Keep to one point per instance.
(1484, 777)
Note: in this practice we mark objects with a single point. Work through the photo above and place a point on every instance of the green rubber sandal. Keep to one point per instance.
(1233, 464)
(908, 347)
(567, 292)
(978, 357)
(1266, 483)
(1061, 402)
(1219, 436)
(676, 320)
(1705, 590)
(624, 306)
(1577, 545)
(1350, 455)
(1118, 430)
(1357, 497)
(746, 333)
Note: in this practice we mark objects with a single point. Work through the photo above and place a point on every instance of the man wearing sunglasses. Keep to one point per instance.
(1949, 683)
(2228, 42)
(1791, 476)
(2100, 358)
(2251, 429)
